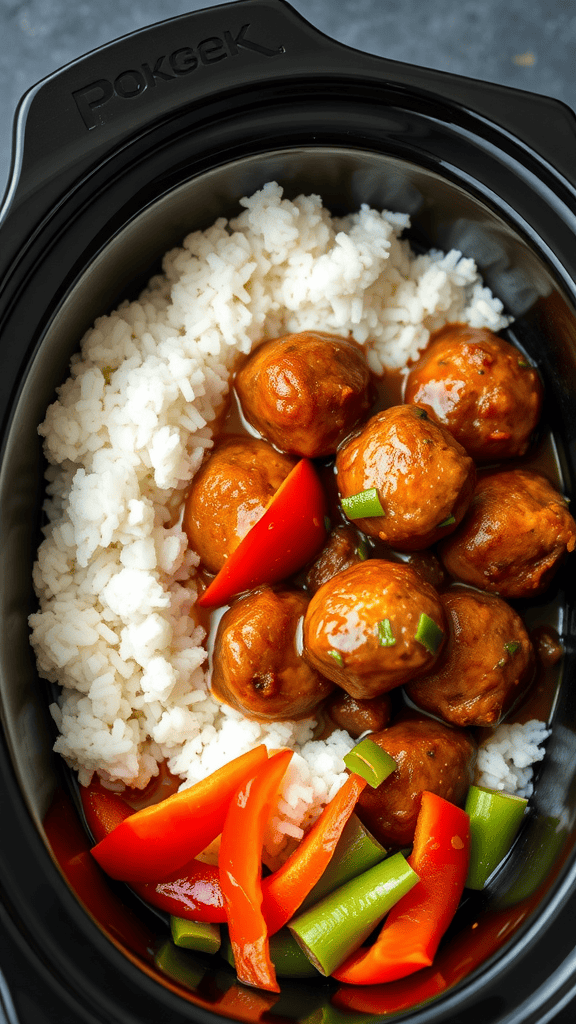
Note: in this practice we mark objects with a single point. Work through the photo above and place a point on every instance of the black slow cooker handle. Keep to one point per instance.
(75, 118)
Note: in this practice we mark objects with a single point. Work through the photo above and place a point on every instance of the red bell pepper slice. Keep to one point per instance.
(289, 533)
(241, 872)
(410, 935)
(285, 889)
(194, 893)
(155, 842)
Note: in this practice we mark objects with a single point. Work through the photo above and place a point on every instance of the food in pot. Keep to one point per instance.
(487, 663)
(479, 386)
(257, 663)
(430, 756)
(373, 626)
(420, 477)
(305, 392)
(121, 574)
(517, 531)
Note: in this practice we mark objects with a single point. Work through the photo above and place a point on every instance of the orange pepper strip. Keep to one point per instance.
(288, 887)
(241, 872)
(156, 841)
(194, 892)
(412, 931)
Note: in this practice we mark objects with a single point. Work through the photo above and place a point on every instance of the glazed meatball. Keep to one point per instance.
(361, 627)
(517, 530)
(486, 665)
(343, 548)
(430, 756)
(229, 494)
(481, 388)
(359, 716)
(423, 477)
(305, 392)
(257, 664)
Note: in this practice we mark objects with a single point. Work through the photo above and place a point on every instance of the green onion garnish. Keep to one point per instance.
(420, 413)
(523, 364)
(327, 524)
(370, 761)
(386, 637)
(363, 505)
(429, 633)
(447, 522)
(512, 647)
(337, 657)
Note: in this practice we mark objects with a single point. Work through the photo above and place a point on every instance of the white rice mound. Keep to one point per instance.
(505, 761)
(114, 577)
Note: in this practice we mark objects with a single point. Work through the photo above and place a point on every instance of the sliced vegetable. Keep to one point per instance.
(334, 928)
(199, 935)
(179, 965)
(285, 890)
(363, 505)
(386, 637)
(194, 893)
(370, 761)
(495, 819)
(337, 657)
(512, 647)
(288, 958)
(356, 851)
(429, 634)
(447, 522)
(153, 843)
(241, 872)
(291, 531)
(413, 929)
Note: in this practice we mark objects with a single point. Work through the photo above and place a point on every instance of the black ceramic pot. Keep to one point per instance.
(116, 158)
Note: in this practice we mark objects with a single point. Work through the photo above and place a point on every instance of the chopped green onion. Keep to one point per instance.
(420, 413)
(429, 634)
(512, 647)
(327, 524)
(362, 550)
(199, 935)
(447, 522)
(337, 658)
(363, 505)
(370, 761)
(336, 926)
(356, 851)
(523, 364)
(495, 818)
(386, 637)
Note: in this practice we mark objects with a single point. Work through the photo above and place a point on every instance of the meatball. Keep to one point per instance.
(359, 716)
(423, 477)
(517, 530)
(481, 388)
(229, 494)
(430, 756)
(305, 392)
(361, 627)
(487, 663)
(342, 549)
(257, 663)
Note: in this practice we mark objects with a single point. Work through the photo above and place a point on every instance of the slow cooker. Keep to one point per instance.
(116, 158)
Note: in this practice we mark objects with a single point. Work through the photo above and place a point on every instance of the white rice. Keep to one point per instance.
(114, 577)
(505, 761)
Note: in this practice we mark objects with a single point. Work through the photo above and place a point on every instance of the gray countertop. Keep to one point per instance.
(528, 44)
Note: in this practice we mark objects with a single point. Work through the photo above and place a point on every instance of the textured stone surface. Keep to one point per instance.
(529, 44)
